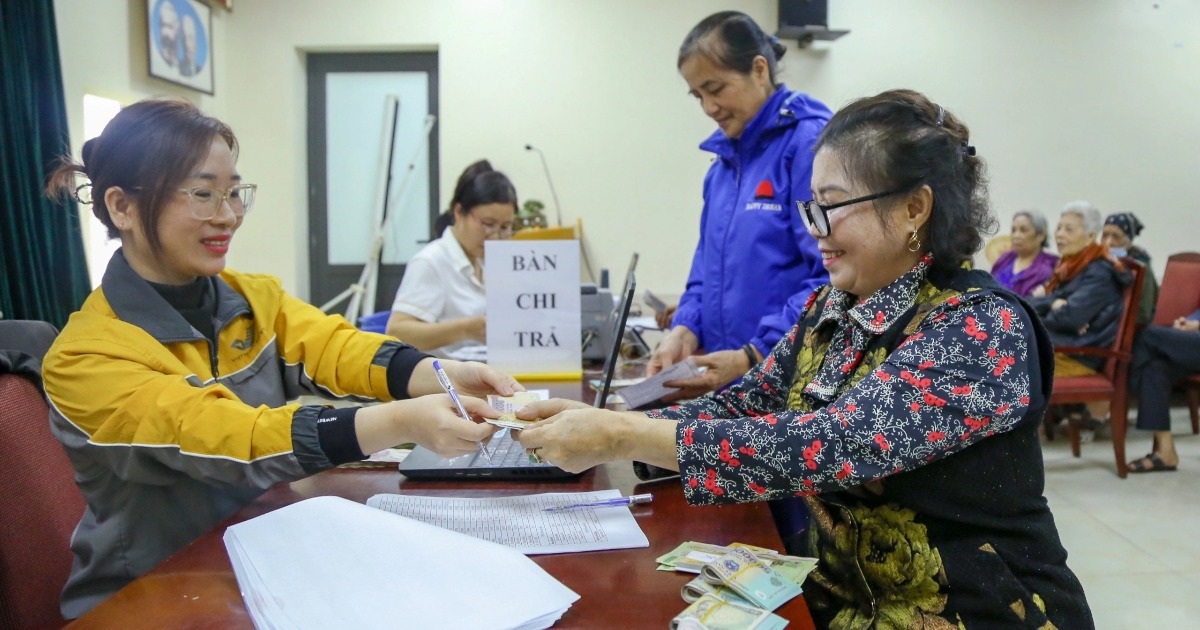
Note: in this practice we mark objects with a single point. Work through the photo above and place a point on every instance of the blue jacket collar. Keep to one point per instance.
(783, 109)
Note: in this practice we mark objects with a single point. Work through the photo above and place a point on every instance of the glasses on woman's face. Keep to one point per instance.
(816, 215)
(501, 230)
(205, 201)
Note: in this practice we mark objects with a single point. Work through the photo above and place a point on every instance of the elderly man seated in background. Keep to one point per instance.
(1162, 355)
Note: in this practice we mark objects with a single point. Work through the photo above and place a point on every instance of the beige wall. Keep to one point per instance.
(1074, 99)
(102, 46)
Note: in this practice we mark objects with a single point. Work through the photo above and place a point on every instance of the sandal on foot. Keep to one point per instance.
(1156, 465)
(1083, 420)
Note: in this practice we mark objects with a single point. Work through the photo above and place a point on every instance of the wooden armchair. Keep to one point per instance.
(1111, 383)
(1179, 296)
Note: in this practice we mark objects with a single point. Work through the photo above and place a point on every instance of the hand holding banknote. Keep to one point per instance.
(509, 405)
(718, 369)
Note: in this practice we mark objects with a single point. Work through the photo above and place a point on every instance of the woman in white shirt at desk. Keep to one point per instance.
(440, 305)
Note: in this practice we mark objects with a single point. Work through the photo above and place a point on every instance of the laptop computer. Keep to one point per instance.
(509, 460)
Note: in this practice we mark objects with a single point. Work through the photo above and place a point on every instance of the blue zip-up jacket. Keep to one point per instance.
(756, 263)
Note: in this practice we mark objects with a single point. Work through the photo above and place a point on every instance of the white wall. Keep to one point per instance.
(1078, 99)
(1070, 99)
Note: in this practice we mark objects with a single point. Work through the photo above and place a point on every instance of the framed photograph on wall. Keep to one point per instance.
(180, 42)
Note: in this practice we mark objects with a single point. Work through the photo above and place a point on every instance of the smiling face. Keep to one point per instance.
(190, 248)
(1025, 239)
(863, 253)
(1070, 237)
(728, 97)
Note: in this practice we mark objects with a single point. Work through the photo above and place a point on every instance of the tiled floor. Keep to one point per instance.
(1134, 543)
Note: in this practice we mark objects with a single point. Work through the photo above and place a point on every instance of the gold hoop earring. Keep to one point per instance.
(914, 244)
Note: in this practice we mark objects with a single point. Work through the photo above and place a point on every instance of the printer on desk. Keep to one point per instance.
(596, 310)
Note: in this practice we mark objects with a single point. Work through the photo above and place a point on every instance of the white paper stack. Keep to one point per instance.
(332, 563)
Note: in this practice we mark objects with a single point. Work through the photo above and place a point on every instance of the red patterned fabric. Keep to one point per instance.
(41, 506)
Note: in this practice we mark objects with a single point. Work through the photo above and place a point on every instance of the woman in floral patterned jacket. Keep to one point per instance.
(902, 408)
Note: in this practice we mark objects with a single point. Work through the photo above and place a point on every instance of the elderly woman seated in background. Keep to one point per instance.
(1081, 304)
(902, 408)
(1119, 231)
(1027, 265)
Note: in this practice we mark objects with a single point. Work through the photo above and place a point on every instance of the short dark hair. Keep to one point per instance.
(148, 149)
(732, 40)
(479, 185)
(899, 140)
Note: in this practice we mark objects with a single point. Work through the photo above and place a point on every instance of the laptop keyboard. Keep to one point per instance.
(506, 453)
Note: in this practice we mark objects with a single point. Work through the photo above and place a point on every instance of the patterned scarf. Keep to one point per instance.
(855, 325)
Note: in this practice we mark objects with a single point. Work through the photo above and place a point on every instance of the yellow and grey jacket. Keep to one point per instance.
(170, 435)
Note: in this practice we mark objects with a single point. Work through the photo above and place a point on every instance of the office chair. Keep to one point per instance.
(38, 495)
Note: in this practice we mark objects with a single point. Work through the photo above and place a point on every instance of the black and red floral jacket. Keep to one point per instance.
(908, 423)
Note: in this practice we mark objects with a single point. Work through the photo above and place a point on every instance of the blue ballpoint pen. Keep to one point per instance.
(449, 387)
(619, 501)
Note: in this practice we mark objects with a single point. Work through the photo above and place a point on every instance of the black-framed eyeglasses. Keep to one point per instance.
(816, 215)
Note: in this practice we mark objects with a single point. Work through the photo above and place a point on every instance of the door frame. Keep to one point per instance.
(326, 281)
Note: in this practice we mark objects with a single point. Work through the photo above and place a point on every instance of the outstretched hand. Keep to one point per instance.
(433, 422)
(476, 379)
(542, 409)
(576, 439)
(678, 345)
(724, 367)
(663, 318)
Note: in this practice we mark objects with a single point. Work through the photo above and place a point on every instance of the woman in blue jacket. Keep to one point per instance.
(755, 264)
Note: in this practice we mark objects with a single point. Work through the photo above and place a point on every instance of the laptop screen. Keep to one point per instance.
(620, 316)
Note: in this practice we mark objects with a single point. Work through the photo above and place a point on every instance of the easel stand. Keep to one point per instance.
(362, 293)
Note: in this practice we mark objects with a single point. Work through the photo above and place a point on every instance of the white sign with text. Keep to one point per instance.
(533, 318)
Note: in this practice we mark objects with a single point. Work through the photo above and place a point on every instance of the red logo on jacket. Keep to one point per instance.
(765, 190)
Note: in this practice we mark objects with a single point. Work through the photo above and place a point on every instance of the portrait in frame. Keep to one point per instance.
(180, 42)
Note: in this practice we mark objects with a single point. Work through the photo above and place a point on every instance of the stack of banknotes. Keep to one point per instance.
(737, 586)
(509, 405)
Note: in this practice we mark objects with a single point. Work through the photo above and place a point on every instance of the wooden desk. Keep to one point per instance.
(196, 587)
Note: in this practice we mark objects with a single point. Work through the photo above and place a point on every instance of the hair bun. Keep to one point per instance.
(779, 48)
(476, 169)
(86, 153)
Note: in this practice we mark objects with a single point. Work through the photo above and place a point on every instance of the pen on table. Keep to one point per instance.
(449, 387)
(632, 499)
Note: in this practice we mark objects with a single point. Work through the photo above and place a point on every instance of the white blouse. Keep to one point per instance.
(439, 285)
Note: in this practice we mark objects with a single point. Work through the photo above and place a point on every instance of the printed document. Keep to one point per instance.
(522, 523)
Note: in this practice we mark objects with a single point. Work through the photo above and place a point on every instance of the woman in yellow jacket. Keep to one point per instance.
(170, 387)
